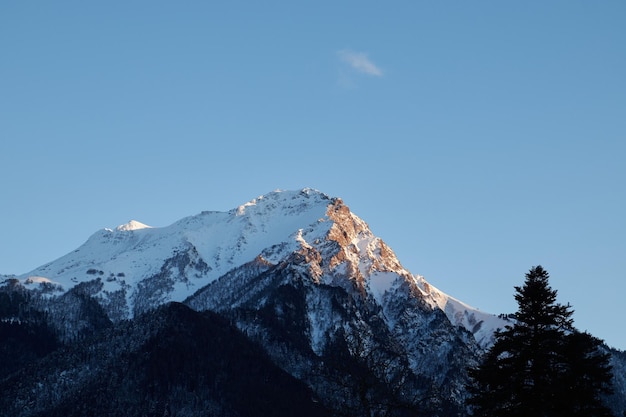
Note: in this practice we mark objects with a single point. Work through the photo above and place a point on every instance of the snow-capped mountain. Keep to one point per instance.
(295, 272)
(138, 267)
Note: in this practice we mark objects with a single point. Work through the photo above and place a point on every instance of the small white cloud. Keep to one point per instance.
(360, 62)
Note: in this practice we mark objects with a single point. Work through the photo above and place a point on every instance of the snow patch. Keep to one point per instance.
(482, 325)
(39, 280)
(380, 283)
(132, 225)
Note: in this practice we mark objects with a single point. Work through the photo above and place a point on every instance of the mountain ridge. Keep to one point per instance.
(196, 250)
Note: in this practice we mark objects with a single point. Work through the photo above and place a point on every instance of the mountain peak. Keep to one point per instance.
(285, 199)
(132, 225)
(134, 272)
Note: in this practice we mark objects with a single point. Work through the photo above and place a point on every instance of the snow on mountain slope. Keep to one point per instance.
(138, 267)
(210, 243)
(131, 225)
(481, 324)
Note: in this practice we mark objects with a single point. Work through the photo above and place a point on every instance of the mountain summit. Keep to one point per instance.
(135, 267)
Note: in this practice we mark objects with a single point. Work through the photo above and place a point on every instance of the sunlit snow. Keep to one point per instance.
(196, 250)
(131, 225)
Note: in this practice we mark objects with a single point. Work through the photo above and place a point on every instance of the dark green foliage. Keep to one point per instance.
(586, 375)
(541, 366)
(22, 343)
(170, 362)
(617, 400)
(24, 333)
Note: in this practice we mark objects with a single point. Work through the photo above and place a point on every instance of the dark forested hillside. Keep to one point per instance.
(172, 361)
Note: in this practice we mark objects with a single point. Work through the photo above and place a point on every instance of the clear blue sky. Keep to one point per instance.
(478, 139)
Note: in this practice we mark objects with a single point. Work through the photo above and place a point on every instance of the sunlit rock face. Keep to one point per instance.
(137, 267)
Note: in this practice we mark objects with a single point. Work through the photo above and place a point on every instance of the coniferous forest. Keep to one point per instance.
(175, 361)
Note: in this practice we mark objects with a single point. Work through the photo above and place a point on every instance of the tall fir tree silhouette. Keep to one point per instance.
(541, 366)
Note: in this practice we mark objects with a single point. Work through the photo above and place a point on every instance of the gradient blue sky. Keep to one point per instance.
(478, 139)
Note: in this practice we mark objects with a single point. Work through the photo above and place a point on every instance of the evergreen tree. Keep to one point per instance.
(540, 366)
(586, 377)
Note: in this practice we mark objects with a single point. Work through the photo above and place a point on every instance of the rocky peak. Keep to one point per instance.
(358, 244)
